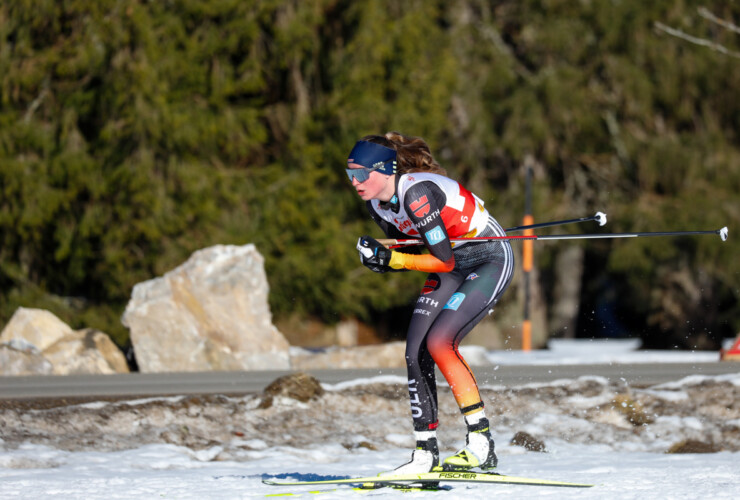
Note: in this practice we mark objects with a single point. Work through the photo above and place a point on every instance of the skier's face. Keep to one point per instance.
(374, 187)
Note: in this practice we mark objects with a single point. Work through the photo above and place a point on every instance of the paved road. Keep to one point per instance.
(142, 385)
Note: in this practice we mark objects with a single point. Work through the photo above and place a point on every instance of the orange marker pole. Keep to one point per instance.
(527, 263)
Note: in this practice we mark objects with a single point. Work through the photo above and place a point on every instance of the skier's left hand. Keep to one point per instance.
(373, 255)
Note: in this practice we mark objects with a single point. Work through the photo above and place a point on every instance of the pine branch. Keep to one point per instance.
(704, 12)
(37, 101)
(697, 41)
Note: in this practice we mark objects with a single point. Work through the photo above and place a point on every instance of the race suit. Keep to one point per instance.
(463, 284)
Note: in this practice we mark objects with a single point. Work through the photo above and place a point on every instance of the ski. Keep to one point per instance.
(428, 478)
(401, 488)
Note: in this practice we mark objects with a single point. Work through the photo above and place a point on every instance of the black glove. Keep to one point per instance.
(373, 255)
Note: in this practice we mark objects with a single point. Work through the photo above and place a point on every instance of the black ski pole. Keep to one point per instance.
(599, 217)
(723, 234)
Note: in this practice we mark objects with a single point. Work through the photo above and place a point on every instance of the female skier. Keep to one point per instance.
(408, 194)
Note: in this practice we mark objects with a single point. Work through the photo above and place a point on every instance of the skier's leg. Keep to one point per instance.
(472, 301)
(419, 362)
(421, 377)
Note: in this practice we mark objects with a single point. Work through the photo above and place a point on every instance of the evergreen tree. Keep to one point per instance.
(134, 133)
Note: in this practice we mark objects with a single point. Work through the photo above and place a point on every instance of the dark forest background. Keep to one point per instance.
(133, 133)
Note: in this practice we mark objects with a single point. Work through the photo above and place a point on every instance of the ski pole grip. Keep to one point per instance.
(600, 217)
(388, 242)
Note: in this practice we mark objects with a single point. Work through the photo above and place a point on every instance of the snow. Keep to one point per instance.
(595, 351)
(583, 445)
(167, 471)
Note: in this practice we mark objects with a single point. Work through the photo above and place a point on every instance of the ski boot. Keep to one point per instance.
(478, 452)
(424, 459)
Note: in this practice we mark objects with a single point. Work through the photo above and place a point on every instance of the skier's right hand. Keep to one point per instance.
(373, 255)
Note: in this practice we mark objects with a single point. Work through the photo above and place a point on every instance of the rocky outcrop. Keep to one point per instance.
(36, 342)
(210, 313)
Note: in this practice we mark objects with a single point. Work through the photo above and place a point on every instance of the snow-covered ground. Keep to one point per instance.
(167, 471)
(601, 351)
(595, 431)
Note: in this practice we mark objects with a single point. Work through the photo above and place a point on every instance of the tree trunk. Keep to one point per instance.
(567, 292)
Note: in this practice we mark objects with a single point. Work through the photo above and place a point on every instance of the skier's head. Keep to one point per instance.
(412, 153)
(367, 157)
(376, 159)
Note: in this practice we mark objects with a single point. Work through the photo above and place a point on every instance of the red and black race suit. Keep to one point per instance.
(463, 284)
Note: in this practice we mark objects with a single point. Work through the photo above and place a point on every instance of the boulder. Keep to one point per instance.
(37, 327)
(86, 351)
(18, 357)
(36, 342)
(211, 313)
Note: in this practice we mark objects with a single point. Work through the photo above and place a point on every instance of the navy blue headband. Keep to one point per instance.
(371, 155)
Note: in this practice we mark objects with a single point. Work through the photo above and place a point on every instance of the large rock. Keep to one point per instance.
(37, 327)
(210, 313)
(86, 351)
(35, 342)
(18, 357)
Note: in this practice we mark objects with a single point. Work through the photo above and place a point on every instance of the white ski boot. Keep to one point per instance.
(424, 459)
(478, 452)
